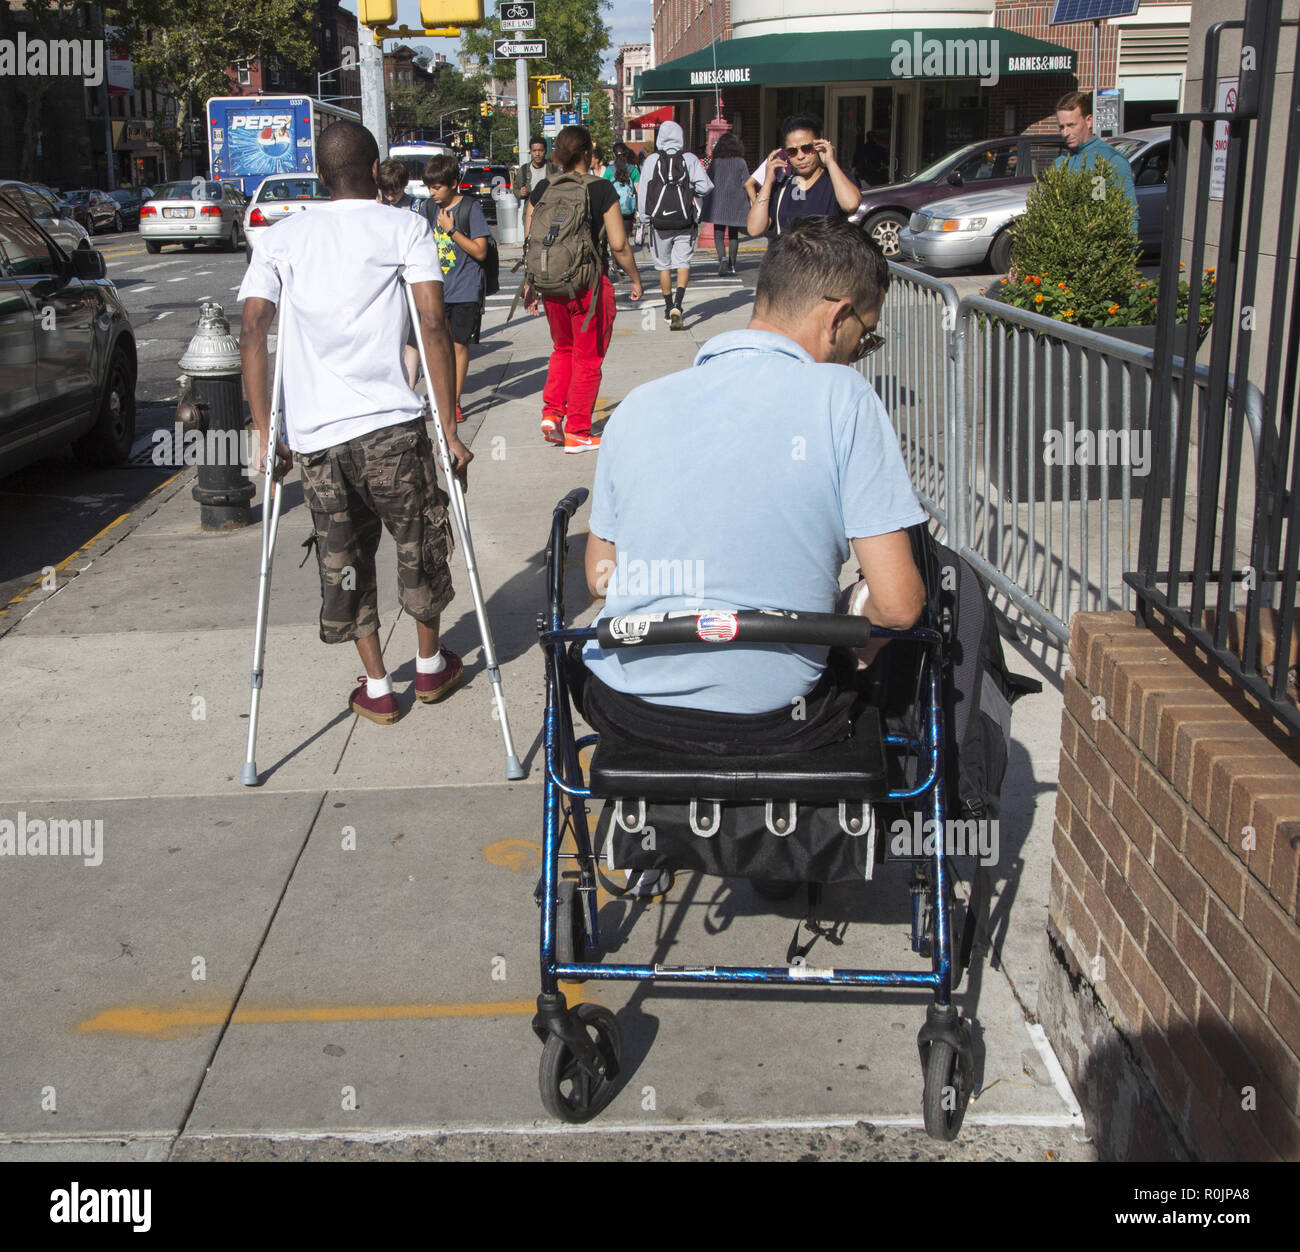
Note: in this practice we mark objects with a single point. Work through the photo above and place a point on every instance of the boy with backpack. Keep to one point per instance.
(468, 254)
(572, 218)
(672, 182)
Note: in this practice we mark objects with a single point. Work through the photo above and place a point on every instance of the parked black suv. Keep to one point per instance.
(67, 350)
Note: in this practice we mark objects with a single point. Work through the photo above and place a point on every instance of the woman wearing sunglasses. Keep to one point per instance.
(812, 183)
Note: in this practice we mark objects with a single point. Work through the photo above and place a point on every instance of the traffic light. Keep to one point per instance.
(377, 12)
(451, 12)
(559, 91)
(485, 109)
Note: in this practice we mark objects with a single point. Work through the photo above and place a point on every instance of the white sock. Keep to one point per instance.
(431, 664)
(376, 687)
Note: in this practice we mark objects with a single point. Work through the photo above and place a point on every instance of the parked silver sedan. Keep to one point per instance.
(189, 213)
(972, 229)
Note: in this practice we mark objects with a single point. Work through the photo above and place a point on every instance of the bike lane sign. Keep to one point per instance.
(517, 14)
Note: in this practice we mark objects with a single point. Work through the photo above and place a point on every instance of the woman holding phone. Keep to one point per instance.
(812, 183)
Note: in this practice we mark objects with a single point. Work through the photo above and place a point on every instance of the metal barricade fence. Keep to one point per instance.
(1027, 442)
(913, 373)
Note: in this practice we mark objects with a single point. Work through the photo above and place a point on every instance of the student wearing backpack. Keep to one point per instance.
(672, 181)
(462, 235)
(625, 176)
(571, 219)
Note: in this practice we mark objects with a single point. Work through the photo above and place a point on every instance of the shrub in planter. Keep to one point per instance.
(1078, 229)
(1074, 259)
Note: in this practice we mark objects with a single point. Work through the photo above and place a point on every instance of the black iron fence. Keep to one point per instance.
(1189, 568)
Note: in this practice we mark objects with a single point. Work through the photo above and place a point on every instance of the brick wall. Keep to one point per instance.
(1174, 884)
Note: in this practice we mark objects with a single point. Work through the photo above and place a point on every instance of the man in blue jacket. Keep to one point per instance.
(1084, 149)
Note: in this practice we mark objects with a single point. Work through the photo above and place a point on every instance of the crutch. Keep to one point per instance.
(271, 495)
(513, 769)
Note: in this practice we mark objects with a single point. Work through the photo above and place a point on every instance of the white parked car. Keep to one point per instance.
(415, 156)
(279, 196)
(193, 212)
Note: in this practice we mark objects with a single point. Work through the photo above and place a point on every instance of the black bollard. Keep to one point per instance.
(223, 491)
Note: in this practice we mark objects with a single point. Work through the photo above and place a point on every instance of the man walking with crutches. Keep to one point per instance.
(351, 420)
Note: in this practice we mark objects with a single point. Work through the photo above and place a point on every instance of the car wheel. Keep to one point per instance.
(188, 244)
(109, 441)
(117, 223)
(883, 228)
(231, 244)
(248, 253)
(1000, 253)
(151, 246)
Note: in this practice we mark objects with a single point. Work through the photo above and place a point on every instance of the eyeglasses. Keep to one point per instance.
(870, 341)
(805, 148)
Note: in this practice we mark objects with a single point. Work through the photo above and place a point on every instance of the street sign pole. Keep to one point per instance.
(522, 114)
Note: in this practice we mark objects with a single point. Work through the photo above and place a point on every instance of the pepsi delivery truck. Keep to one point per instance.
(250, 137)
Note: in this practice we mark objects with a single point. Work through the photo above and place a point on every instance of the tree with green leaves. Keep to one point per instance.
(184, 50)
(45, 20)
(576, 39)
(600, 121)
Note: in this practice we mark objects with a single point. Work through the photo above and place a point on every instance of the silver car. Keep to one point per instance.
(189, 213)
(280, 196)
(972, 229)
(44, 208)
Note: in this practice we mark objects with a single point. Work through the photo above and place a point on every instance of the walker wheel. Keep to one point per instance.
(570, 926)
(949, 1077)
(568, 1091)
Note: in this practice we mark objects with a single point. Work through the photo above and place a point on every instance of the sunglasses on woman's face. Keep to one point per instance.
(806, 148)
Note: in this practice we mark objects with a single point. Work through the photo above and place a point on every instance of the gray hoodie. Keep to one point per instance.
(668, 141)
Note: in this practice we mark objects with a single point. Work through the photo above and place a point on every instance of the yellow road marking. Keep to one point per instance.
(157, 1022)
(85, 547)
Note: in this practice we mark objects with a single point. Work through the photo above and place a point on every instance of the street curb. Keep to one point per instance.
(19, 609)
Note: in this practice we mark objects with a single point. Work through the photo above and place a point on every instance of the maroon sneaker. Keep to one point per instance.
(383, 710)
(432, 687)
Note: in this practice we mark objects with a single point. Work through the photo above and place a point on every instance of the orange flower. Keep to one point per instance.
(1210, 270)
(1038, 299)
(1060, 286)
(1182, 265)
(1069, 312)
(1114, 308)
(1038, 282)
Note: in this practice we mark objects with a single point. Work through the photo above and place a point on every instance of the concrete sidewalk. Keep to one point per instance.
(344, 960)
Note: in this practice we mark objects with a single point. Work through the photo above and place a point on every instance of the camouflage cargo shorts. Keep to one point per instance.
(384, 478)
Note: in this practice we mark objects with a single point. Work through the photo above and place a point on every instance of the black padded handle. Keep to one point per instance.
(722, 626)
(573, 501)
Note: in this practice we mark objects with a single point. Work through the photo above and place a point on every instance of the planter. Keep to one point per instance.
(1063, 443)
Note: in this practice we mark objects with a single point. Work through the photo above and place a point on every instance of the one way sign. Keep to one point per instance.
(508, 49)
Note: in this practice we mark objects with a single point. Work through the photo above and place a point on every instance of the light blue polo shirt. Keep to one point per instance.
(1087, 156)
(738, 483)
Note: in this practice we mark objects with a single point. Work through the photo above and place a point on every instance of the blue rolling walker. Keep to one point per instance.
(582, 1046)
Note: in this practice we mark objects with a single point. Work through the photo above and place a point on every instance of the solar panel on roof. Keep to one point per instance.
(1091, 10)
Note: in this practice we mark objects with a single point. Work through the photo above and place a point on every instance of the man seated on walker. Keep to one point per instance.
(745, 482)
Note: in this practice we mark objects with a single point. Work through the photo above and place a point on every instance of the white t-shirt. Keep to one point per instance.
(339, 271)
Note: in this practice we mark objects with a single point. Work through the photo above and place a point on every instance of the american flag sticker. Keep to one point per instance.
(717, 627)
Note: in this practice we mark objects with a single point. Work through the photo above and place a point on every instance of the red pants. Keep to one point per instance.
(573, 379)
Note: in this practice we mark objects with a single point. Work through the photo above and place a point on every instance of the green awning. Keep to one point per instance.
(983, 52)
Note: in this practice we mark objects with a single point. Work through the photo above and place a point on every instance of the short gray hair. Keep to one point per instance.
(816, 257)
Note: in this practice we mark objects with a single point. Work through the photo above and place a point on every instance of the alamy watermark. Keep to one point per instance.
(945, 58)
(920, 837)
(1098, 447)
(53, 58)
(626, 577)
(59, 836)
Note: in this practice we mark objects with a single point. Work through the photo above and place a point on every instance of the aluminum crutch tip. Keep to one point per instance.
(514, 771)
(249, 776)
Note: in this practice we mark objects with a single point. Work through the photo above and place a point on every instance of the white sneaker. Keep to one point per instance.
(645, 883)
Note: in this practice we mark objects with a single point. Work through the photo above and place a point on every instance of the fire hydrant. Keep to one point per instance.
(224, 491)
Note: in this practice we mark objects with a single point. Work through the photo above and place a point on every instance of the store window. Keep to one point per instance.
(952, 114)
(782, 102)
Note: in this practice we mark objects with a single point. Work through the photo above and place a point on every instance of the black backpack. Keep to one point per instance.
(491, 262)
(670, 199)
(978, 689)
